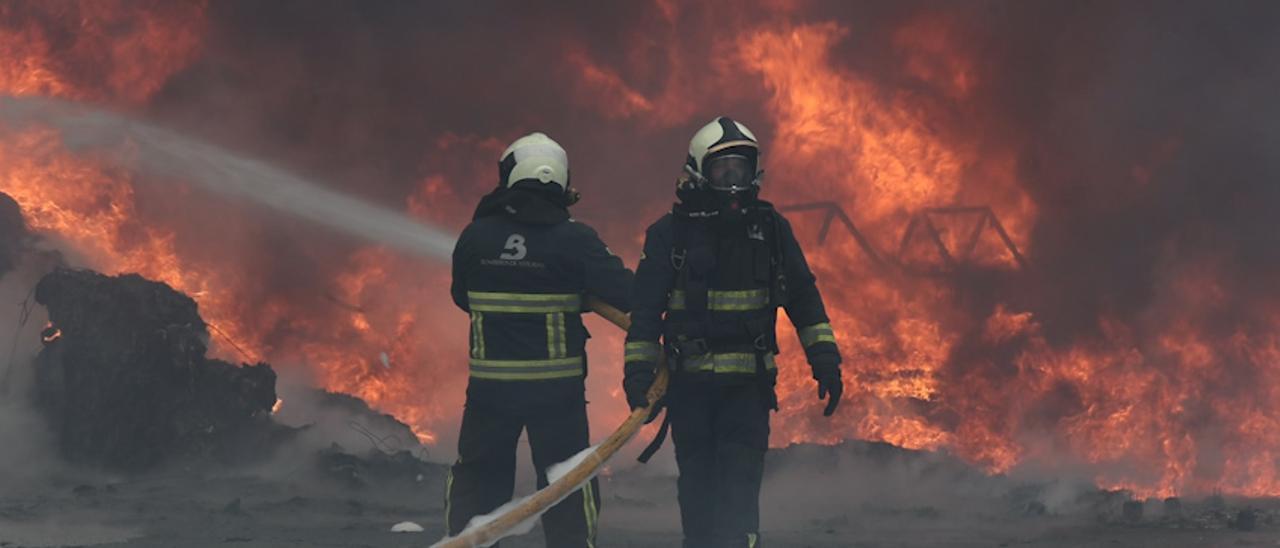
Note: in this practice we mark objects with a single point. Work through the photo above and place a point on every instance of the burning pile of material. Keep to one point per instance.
(125, 382)
(124, 379)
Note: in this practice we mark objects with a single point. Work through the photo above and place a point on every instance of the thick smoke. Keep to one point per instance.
(1146, 140)
(26, 443)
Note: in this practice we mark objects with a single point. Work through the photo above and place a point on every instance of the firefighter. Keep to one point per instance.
(522, 269)
(707, 289)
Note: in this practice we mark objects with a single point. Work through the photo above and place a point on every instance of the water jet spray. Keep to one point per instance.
(166, 153)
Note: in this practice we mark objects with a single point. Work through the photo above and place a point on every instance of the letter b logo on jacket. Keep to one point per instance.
(515, 249)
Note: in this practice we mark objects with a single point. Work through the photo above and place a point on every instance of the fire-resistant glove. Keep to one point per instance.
(829, 384)
(636, 379)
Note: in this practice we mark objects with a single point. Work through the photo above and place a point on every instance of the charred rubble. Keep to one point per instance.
(13, 233)
(125, 383)
(379, 451)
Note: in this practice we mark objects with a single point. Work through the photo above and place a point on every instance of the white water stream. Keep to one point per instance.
(165, 153)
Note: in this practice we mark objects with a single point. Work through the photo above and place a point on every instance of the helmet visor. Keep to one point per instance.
(730, 173)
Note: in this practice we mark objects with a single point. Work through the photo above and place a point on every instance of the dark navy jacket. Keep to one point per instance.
(522, 269)
(744, 271)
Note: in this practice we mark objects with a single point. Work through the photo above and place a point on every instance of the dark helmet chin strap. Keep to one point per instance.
(571, 196)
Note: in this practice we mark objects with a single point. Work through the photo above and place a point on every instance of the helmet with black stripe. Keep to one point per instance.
(724, 156)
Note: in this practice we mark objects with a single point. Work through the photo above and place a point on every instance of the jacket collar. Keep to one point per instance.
(522, 205)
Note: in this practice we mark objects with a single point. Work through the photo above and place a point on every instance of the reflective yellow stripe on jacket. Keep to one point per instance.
(526, 370)
(556, 346)
(816, 333)
(728, 362)
(556, 365)
(641, 351)
(524, 303)
(725, 301)
(477, 334)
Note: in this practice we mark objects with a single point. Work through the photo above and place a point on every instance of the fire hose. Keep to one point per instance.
(498, 526)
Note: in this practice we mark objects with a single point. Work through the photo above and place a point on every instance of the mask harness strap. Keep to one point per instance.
(678, 348)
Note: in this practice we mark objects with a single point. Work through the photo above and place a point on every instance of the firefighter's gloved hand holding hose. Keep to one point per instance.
(636, 380)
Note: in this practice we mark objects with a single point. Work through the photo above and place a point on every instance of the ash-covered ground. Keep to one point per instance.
(856, 494)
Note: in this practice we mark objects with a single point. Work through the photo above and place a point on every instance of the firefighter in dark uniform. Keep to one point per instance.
(522, 269)
(713, 274)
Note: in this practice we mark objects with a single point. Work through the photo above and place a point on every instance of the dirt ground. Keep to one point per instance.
(856, 495)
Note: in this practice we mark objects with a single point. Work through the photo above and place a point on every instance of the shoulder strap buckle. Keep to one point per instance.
(761, 343)
(678, 258)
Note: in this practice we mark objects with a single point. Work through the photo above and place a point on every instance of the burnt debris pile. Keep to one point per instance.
(13, 233)
(124, 380)
(356, 446)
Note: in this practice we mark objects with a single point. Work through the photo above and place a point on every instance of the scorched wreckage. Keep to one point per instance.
(1043, 234)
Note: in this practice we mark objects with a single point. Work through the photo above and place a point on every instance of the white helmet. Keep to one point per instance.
(724, 138)
(536, 158)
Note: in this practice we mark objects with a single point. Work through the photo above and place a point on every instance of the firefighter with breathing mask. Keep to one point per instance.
(707, 289)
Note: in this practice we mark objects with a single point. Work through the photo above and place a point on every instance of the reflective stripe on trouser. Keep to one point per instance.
(641, 351)
(720, 433)
(590, 511)
(527, 370)
(739, 300)
(728, 363)
(816, 333)
(524, 303)
(448, 499)
(484, 475)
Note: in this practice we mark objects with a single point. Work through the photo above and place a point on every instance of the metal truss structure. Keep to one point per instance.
(922, 225)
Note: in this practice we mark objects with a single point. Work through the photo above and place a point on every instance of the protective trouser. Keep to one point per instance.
(483, 478)
(721, 433)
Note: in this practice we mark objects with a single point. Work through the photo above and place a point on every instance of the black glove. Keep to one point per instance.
(829, 383)
(636, 379)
